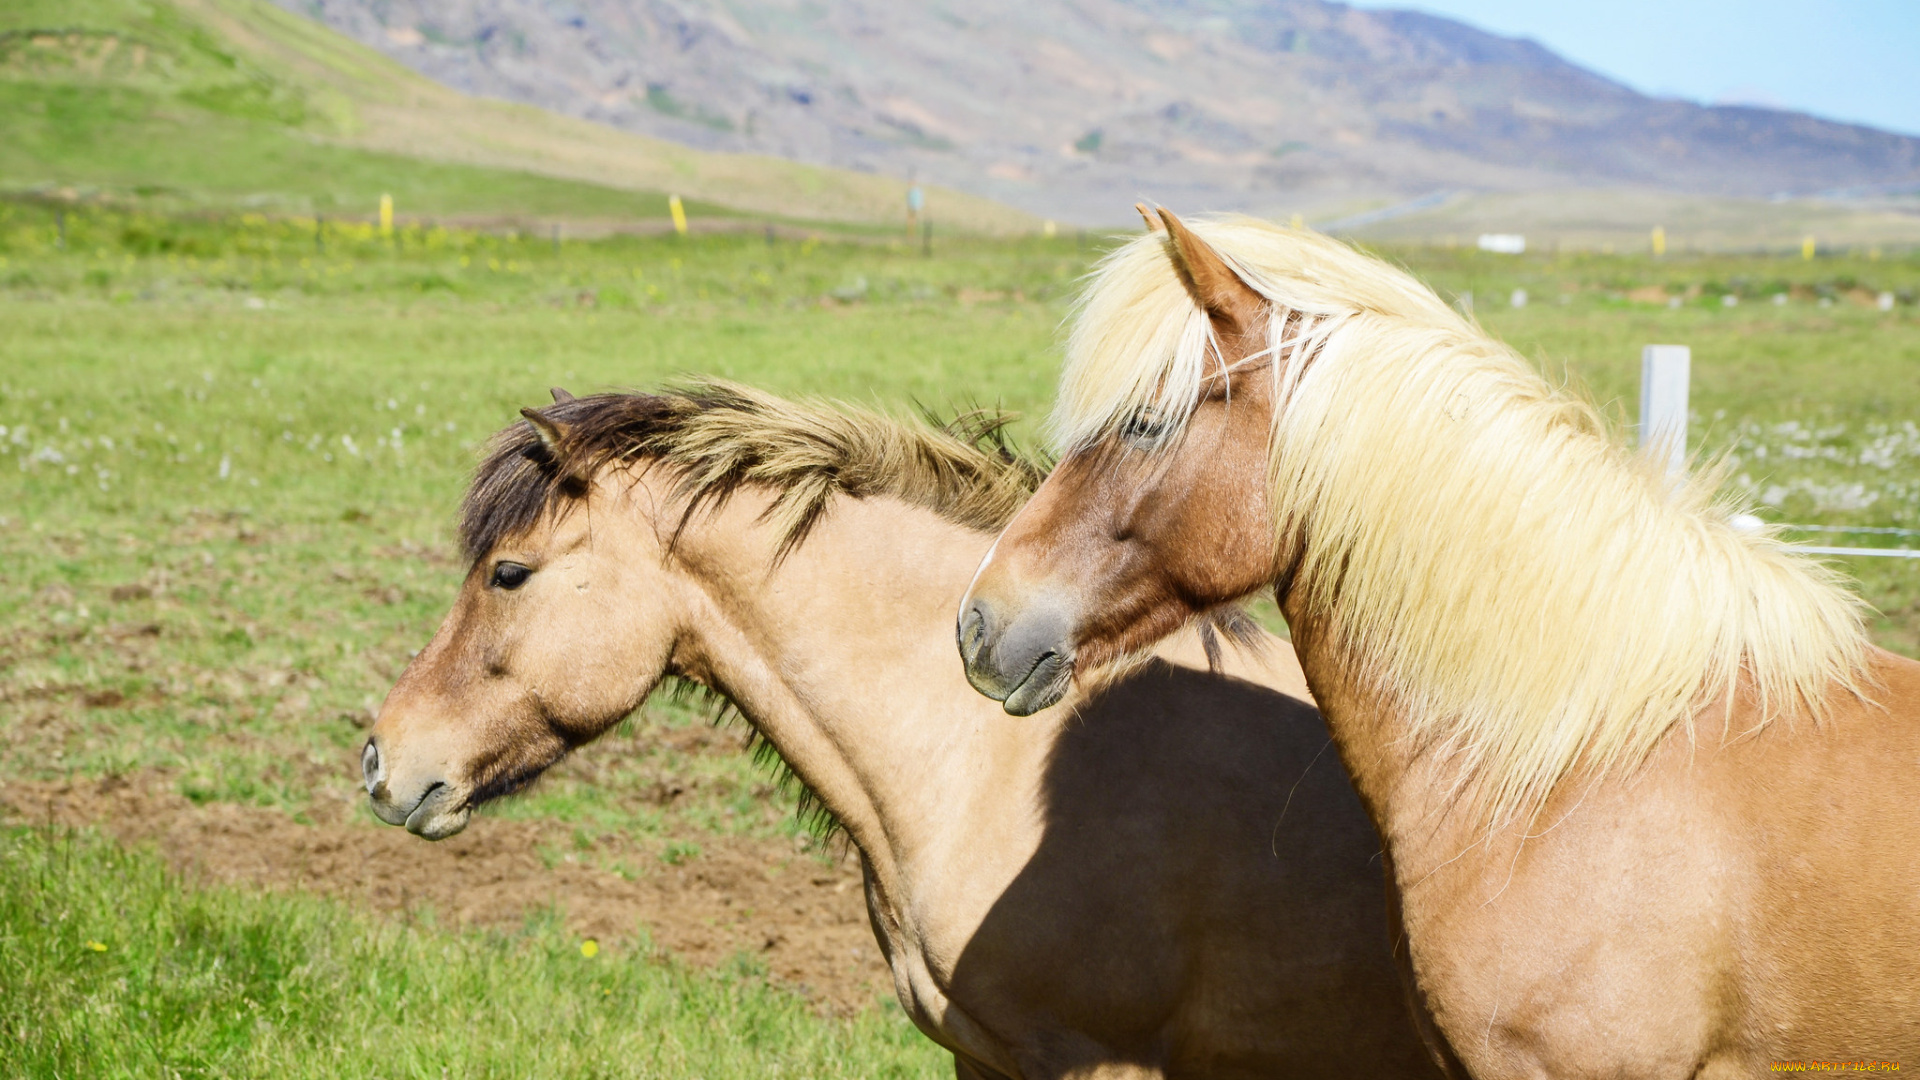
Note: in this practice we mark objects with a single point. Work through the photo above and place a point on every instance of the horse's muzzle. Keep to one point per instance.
(1025, 664)
(427, 807)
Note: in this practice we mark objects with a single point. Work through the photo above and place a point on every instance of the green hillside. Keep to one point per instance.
(234, 102)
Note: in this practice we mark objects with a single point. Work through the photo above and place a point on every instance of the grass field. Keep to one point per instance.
(229, 458)
(112, 969)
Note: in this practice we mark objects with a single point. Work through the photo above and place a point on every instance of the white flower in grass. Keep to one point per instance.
(226, 466)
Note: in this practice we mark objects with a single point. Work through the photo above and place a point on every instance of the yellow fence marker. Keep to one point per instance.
(1806, 248)
(386, 215)
(1297, 222)
(679, 213)
(1659, 241)
(1048, 229)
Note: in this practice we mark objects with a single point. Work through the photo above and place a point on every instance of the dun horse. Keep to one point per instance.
(1116, 888)
(1650, 799)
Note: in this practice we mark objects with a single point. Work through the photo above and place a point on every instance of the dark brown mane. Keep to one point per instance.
(721, 435)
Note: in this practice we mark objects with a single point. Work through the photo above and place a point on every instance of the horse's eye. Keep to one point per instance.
(1143, 428)
(510, 575)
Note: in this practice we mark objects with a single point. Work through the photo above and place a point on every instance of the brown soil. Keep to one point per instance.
(805, 918)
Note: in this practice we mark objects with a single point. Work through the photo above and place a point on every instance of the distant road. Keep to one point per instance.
(1354, 221)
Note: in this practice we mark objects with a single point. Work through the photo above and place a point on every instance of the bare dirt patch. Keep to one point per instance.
(802, 916)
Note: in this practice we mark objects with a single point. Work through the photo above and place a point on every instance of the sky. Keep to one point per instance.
(1852, 60)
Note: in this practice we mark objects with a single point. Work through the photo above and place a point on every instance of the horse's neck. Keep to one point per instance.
(843, 657)
(1405, 787)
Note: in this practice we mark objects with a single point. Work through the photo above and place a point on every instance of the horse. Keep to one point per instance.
(1112, 889)
(1650, 799)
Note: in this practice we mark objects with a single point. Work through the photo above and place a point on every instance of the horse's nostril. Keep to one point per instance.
(973, 633)
(370, 771)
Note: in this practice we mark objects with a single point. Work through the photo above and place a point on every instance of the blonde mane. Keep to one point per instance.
(1535, 598)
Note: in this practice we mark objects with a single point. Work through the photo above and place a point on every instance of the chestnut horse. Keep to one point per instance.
(1116, 888)
(1650, 799)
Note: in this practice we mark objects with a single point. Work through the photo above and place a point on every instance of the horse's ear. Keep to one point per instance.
(552, 435)
(559, 396)
(1154, 224)
(1215, 286)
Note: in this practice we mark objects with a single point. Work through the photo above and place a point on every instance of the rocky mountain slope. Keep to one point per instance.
(1074, 108)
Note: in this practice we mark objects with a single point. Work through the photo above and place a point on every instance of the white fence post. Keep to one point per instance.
(1664, 372)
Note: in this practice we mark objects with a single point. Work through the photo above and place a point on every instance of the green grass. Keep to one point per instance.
(115, 968)
(228, 473)
(140, 146)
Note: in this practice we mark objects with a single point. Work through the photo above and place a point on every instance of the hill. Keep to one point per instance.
(224, 101)
(1074, 108)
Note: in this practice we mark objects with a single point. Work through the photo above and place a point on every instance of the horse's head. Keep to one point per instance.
(563, 626)
(1154, 518)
